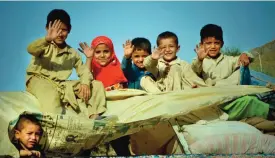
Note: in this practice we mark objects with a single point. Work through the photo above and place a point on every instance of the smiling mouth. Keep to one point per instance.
(102, 60)
(168, 54)
(140, 65)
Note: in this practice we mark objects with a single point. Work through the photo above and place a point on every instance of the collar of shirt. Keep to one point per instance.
(142, 71)
(66, 49)
(173, 62)
(218, 60)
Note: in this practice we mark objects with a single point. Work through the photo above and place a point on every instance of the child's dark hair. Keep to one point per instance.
(142, 43)
(211, 30)
(59, 14)
(167, 34)
(29, 119)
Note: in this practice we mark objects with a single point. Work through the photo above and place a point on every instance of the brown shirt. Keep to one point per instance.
(221, 71)
(55, 63)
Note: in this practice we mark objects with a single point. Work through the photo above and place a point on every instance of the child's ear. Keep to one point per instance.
(178, 48)
(17, 133)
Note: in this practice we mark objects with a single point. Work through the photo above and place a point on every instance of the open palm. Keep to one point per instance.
(157, 53)
(53, 30)
(128, 49)
(201, 52)
(85, 49)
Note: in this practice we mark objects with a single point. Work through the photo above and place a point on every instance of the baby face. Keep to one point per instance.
(29, 136)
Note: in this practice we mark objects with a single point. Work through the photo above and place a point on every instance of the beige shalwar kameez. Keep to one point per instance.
(221, 71)
(170, 76)
(47, 75)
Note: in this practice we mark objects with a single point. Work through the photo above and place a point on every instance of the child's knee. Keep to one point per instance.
(149, 85)
(146, 79)
(51, 103)
(143, 81)
(97, 85)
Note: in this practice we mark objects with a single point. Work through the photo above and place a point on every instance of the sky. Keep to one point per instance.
(246, 25)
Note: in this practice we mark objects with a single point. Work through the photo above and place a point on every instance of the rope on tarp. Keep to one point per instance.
(268, 83)
(260, 59)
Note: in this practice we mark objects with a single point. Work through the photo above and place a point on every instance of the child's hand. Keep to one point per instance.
(201, 52)
(85, 49)
(84, 92)
(157, 53)
(244, 59)
(128, 49)
(30, 153)
(53, 30)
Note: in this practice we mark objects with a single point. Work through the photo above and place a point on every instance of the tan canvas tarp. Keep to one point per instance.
(129, 111)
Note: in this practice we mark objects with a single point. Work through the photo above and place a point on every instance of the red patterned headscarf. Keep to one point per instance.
(110, 74)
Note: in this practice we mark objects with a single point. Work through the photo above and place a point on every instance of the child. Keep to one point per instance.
(218, 69)
(135, 50)
(103, 63)
(51, 65)
(28, 132)
(171, 73)
(215, 68)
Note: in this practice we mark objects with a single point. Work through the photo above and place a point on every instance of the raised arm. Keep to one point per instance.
(197, 63)
(126, 64)
(151, 61)
(39, 46)
(83, 71)
(196, 66)
(89, 53)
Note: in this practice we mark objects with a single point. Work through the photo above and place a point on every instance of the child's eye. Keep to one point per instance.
(64, 30)
(37, 134)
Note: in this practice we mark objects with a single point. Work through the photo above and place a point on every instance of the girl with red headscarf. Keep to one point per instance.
(103, 63)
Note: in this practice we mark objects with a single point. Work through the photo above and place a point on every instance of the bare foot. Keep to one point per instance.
(194, 86)
(94, 116)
